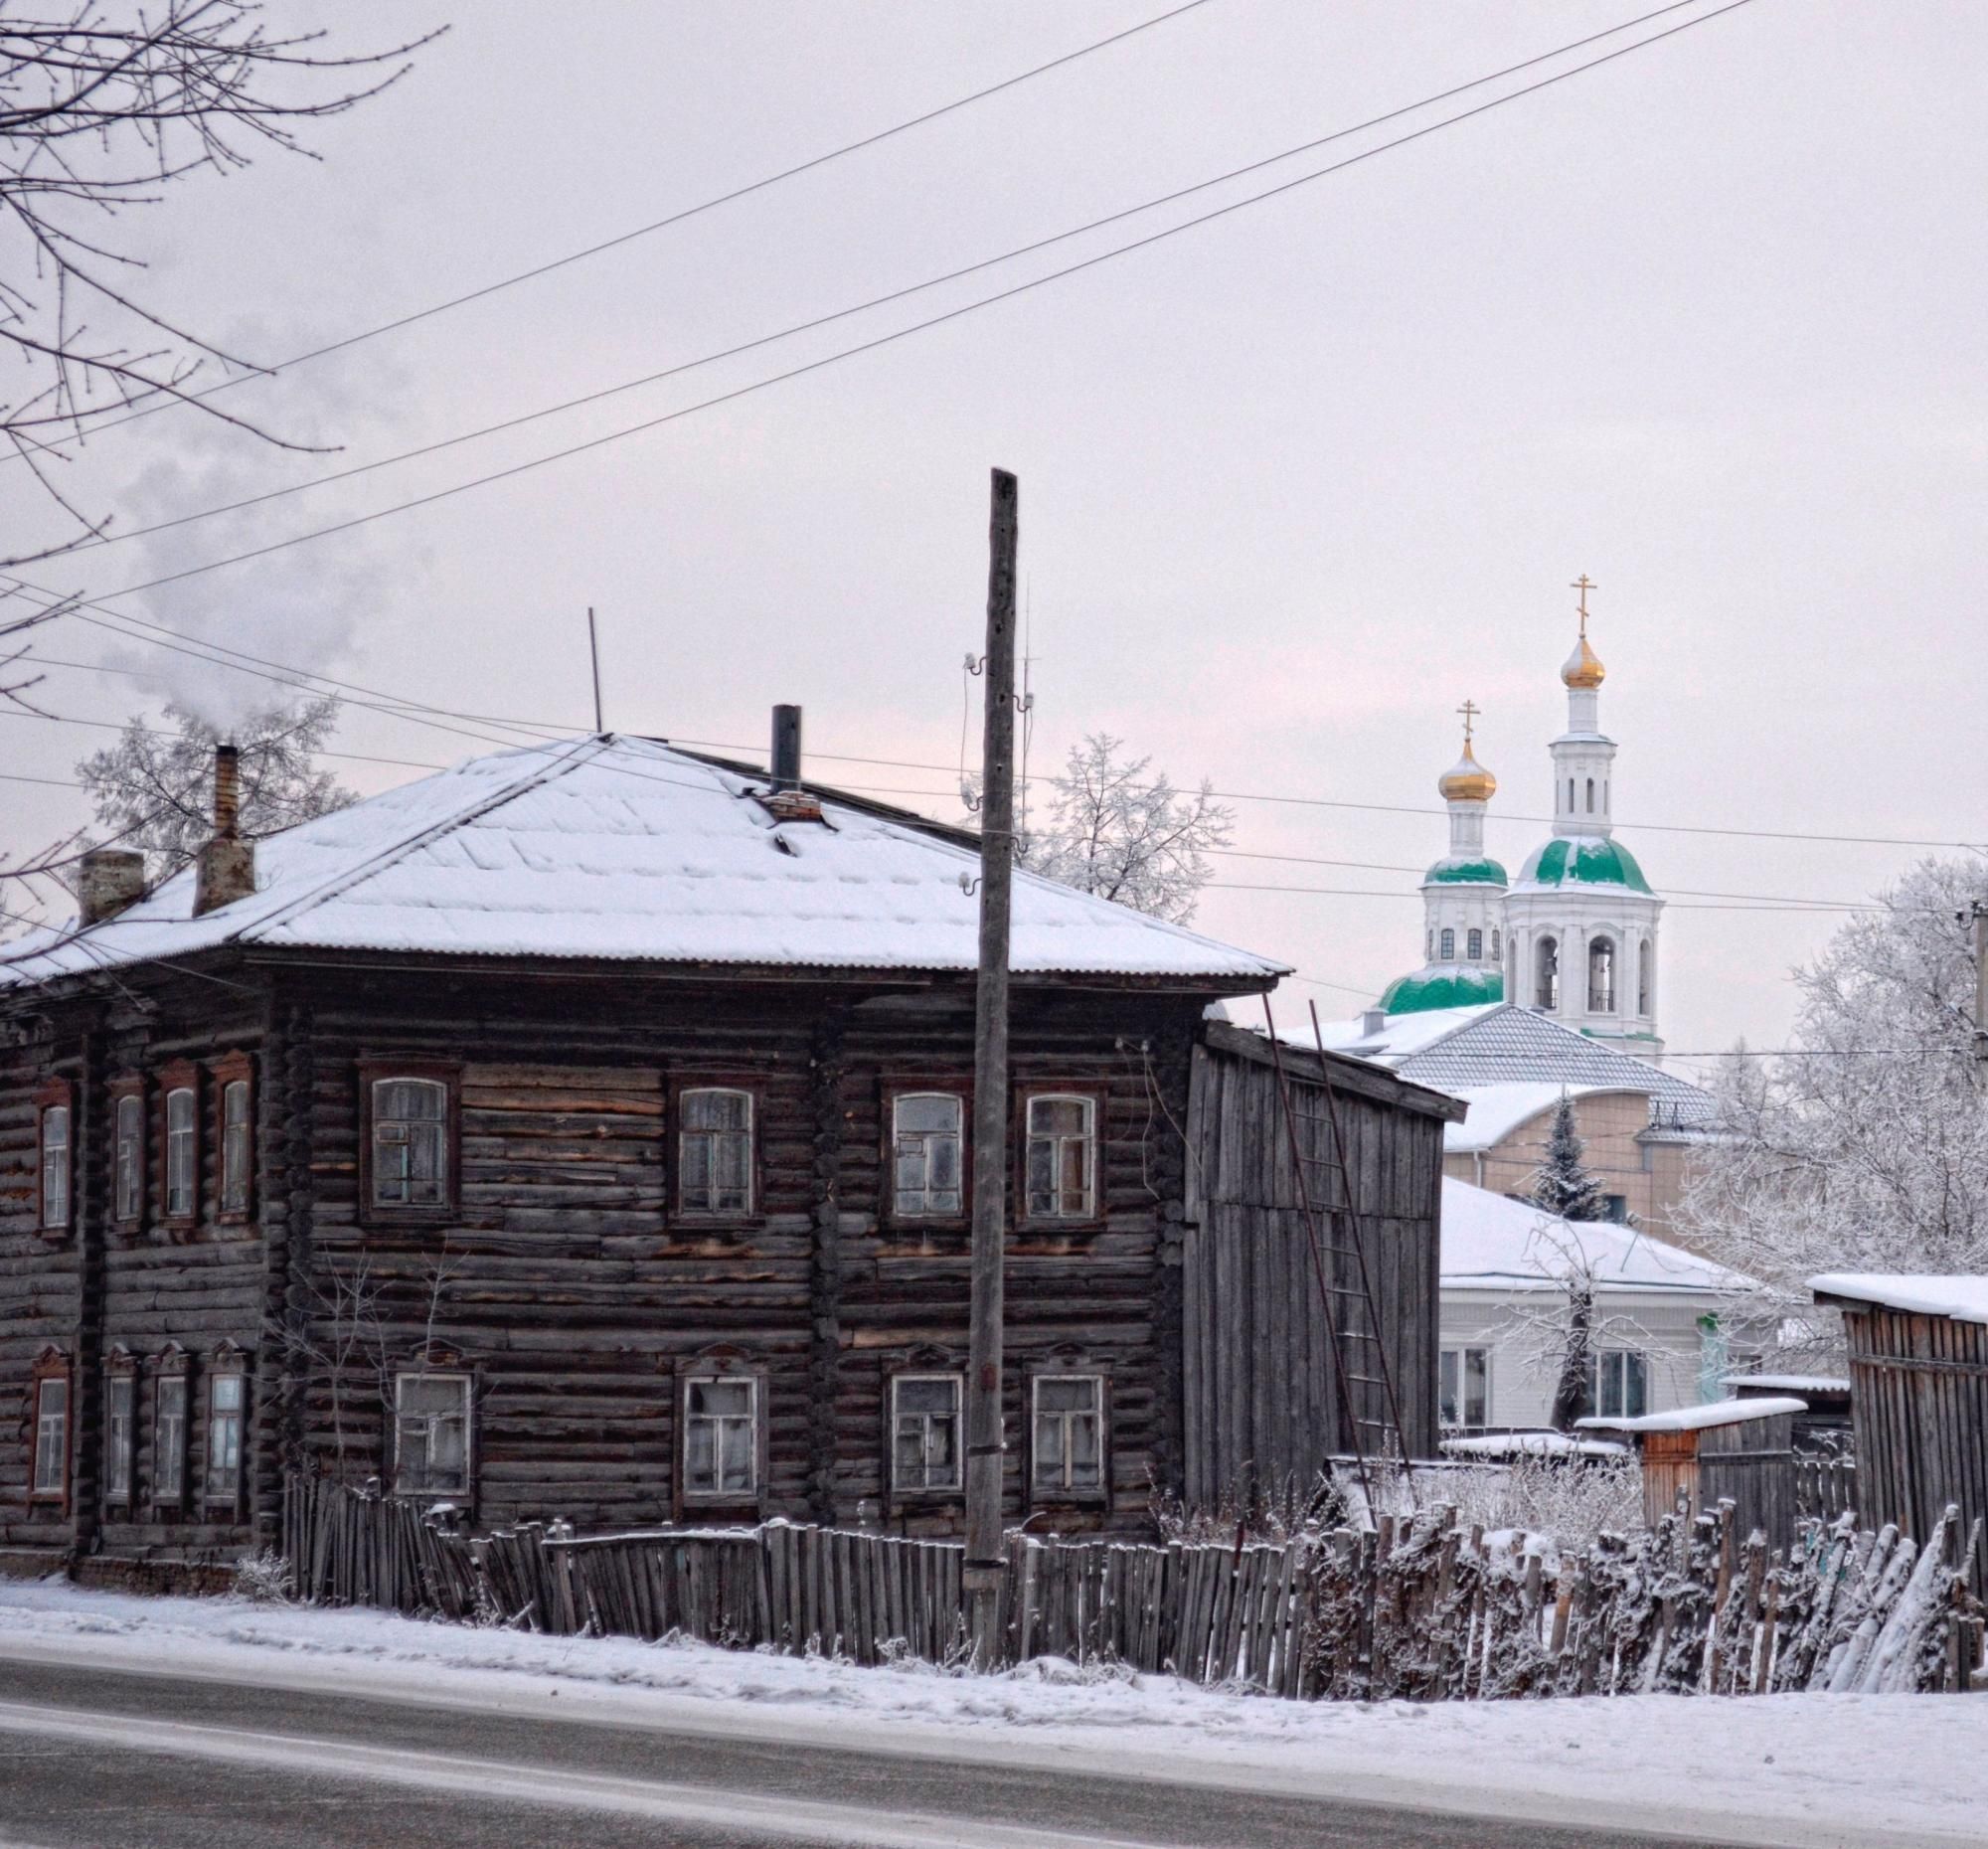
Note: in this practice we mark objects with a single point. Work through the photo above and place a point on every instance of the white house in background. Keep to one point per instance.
(1662, 1315)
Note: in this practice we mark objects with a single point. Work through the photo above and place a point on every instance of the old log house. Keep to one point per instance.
(582, 1133)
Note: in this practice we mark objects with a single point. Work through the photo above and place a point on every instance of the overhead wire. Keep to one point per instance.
(643, 230)
(891, 336)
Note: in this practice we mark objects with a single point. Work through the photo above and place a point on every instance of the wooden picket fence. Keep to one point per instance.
(1416, 1609)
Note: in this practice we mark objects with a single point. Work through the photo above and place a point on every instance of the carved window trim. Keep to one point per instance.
(226, 1370)
(225, 1075)
(181, 1076)
(128, 1151)
(171, 1442)
(373, 1073)
(120, 1448)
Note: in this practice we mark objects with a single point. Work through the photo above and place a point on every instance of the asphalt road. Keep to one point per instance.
(96, 1759)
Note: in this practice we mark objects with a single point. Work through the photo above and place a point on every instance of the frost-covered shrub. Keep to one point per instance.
(263, 1578)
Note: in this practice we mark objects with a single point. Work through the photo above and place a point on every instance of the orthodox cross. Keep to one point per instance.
(1470, 709)
(1583, 583)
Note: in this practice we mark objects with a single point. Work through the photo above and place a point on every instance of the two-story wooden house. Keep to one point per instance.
(584, 1132)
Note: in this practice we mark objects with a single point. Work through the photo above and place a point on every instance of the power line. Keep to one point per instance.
(662, 223)
(802, 370)
(1354, 892)
(840, 314)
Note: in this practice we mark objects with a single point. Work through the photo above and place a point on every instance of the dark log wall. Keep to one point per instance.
(1262, 1398)
(563, 1281)
(1919, 1398)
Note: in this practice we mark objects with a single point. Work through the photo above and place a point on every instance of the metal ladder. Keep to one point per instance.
(1371, 1406)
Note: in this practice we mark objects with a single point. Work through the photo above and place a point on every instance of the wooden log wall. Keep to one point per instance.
(1416, 1610)
(1262, 1403)
(1918, 1394)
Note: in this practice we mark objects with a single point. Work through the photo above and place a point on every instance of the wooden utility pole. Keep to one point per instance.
(984, 1562)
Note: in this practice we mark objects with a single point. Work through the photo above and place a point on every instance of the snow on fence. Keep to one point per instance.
(1420, 1608)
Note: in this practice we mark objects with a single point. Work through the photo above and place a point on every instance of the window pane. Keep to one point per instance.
(927, 1396)
(169, 1441)
(1476, 1386)
(179, 1176)
(235, 1147)
(700, 1454)
(1085, 1466)
(1447, 1411)
(1042, 1173)
(735, 1453)
(1066, 1392)
(716, 1398)
(1049, 1452)
(1075, 1178)
(716, 1110)
(928, 1111)
(130, 1130)
(54, 1166)
(1059, 1117)
(119, 1398)
(228, 1393)
(1636, 1386)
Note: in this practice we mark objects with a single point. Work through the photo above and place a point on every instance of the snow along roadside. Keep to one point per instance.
(1796, 1770)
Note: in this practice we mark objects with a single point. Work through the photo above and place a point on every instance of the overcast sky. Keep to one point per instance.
(1704, 323)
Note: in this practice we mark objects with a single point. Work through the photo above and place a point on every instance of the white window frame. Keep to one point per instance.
(238, 1146)
(1614, 1404)
(1462, 1351)
(56, 1173)
(128, 1157)
(169, 1436)
(120, 1434)
(712, 1208)
(466, 1412)
(753, 1417)
(924, 1141)
(182, 1179)
(392, 1140)
(1063, 1489)
(924, 1424)
(49, 1481)
(223, 1488)
(1086, 1206)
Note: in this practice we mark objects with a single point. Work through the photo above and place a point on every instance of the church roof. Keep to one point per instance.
(1456, 870)
(1586, 860)
(624, 848)
(1443, 985)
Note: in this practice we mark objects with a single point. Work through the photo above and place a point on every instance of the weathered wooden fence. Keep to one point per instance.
(1418, 1609)
(1825, 1485)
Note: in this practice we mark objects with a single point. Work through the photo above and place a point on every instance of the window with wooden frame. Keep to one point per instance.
(1067, 1414)
(1059, 1155)
(722, 1415)
(1463, 1396)
(127, 1149)
(54, 1157)
(716, 1156)
(928, 1155)
(1618, 1384)
(227, 1428)
(50, 1401)
(120, 1427)
(170, 1400)
(410, 1139)
(235, 1135)
(431, 1433)
(179, 1116)
(926, 1432)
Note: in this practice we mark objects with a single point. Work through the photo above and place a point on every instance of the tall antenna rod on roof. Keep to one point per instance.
(593, 650)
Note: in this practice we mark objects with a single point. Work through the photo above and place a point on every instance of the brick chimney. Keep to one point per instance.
(224, 867)
(110, 880)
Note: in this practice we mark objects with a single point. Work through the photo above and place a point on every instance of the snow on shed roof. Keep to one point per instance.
(1531, 1444)
(1789, 1383)
(622, 847)
(1962, 1296)
(1491, 1242)
(1698, 1418)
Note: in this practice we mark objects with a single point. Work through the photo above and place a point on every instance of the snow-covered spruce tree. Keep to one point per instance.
(1125, 832)
(1562, 1184)
(154, 789)
(1865, 1149)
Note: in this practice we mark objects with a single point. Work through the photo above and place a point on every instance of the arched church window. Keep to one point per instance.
(1495, 953)
(1570, 795)
(1590, 795)
(1474, 947)
(1429, 944)
(1546, 975)
(1448, 945)
(1644, 973)
(1600, 975)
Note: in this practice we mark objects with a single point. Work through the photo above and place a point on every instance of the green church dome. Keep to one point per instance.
(1589, 861)
(1444, 985)
(1466, 872)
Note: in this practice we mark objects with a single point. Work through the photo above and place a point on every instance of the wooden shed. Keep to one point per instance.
(1701, 1456)
(1918, 1395)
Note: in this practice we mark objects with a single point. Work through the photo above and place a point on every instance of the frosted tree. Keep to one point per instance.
(1120, 830)
(1563, 1184)
(154, 789)
(1866, 1148)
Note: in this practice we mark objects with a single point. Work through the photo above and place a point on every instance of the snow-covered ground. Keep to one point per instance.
(1809, 1770)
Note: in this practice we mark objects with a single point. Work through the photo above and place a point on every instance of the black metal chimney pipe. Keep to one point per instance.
(786, 747)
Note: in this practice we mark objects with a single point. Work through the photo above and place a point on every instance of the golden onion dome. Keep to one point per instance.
(1468, 780)
(1583, 667)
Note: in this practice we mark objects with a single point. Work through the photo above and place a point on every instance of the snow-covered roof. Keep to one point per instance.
(1698, 1418)
(622, 847)
(1491, 1242)
(1470, 1052)
(1496, 1110)
(1531, 1444)
(1962, 1296)
(1789, 1383)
